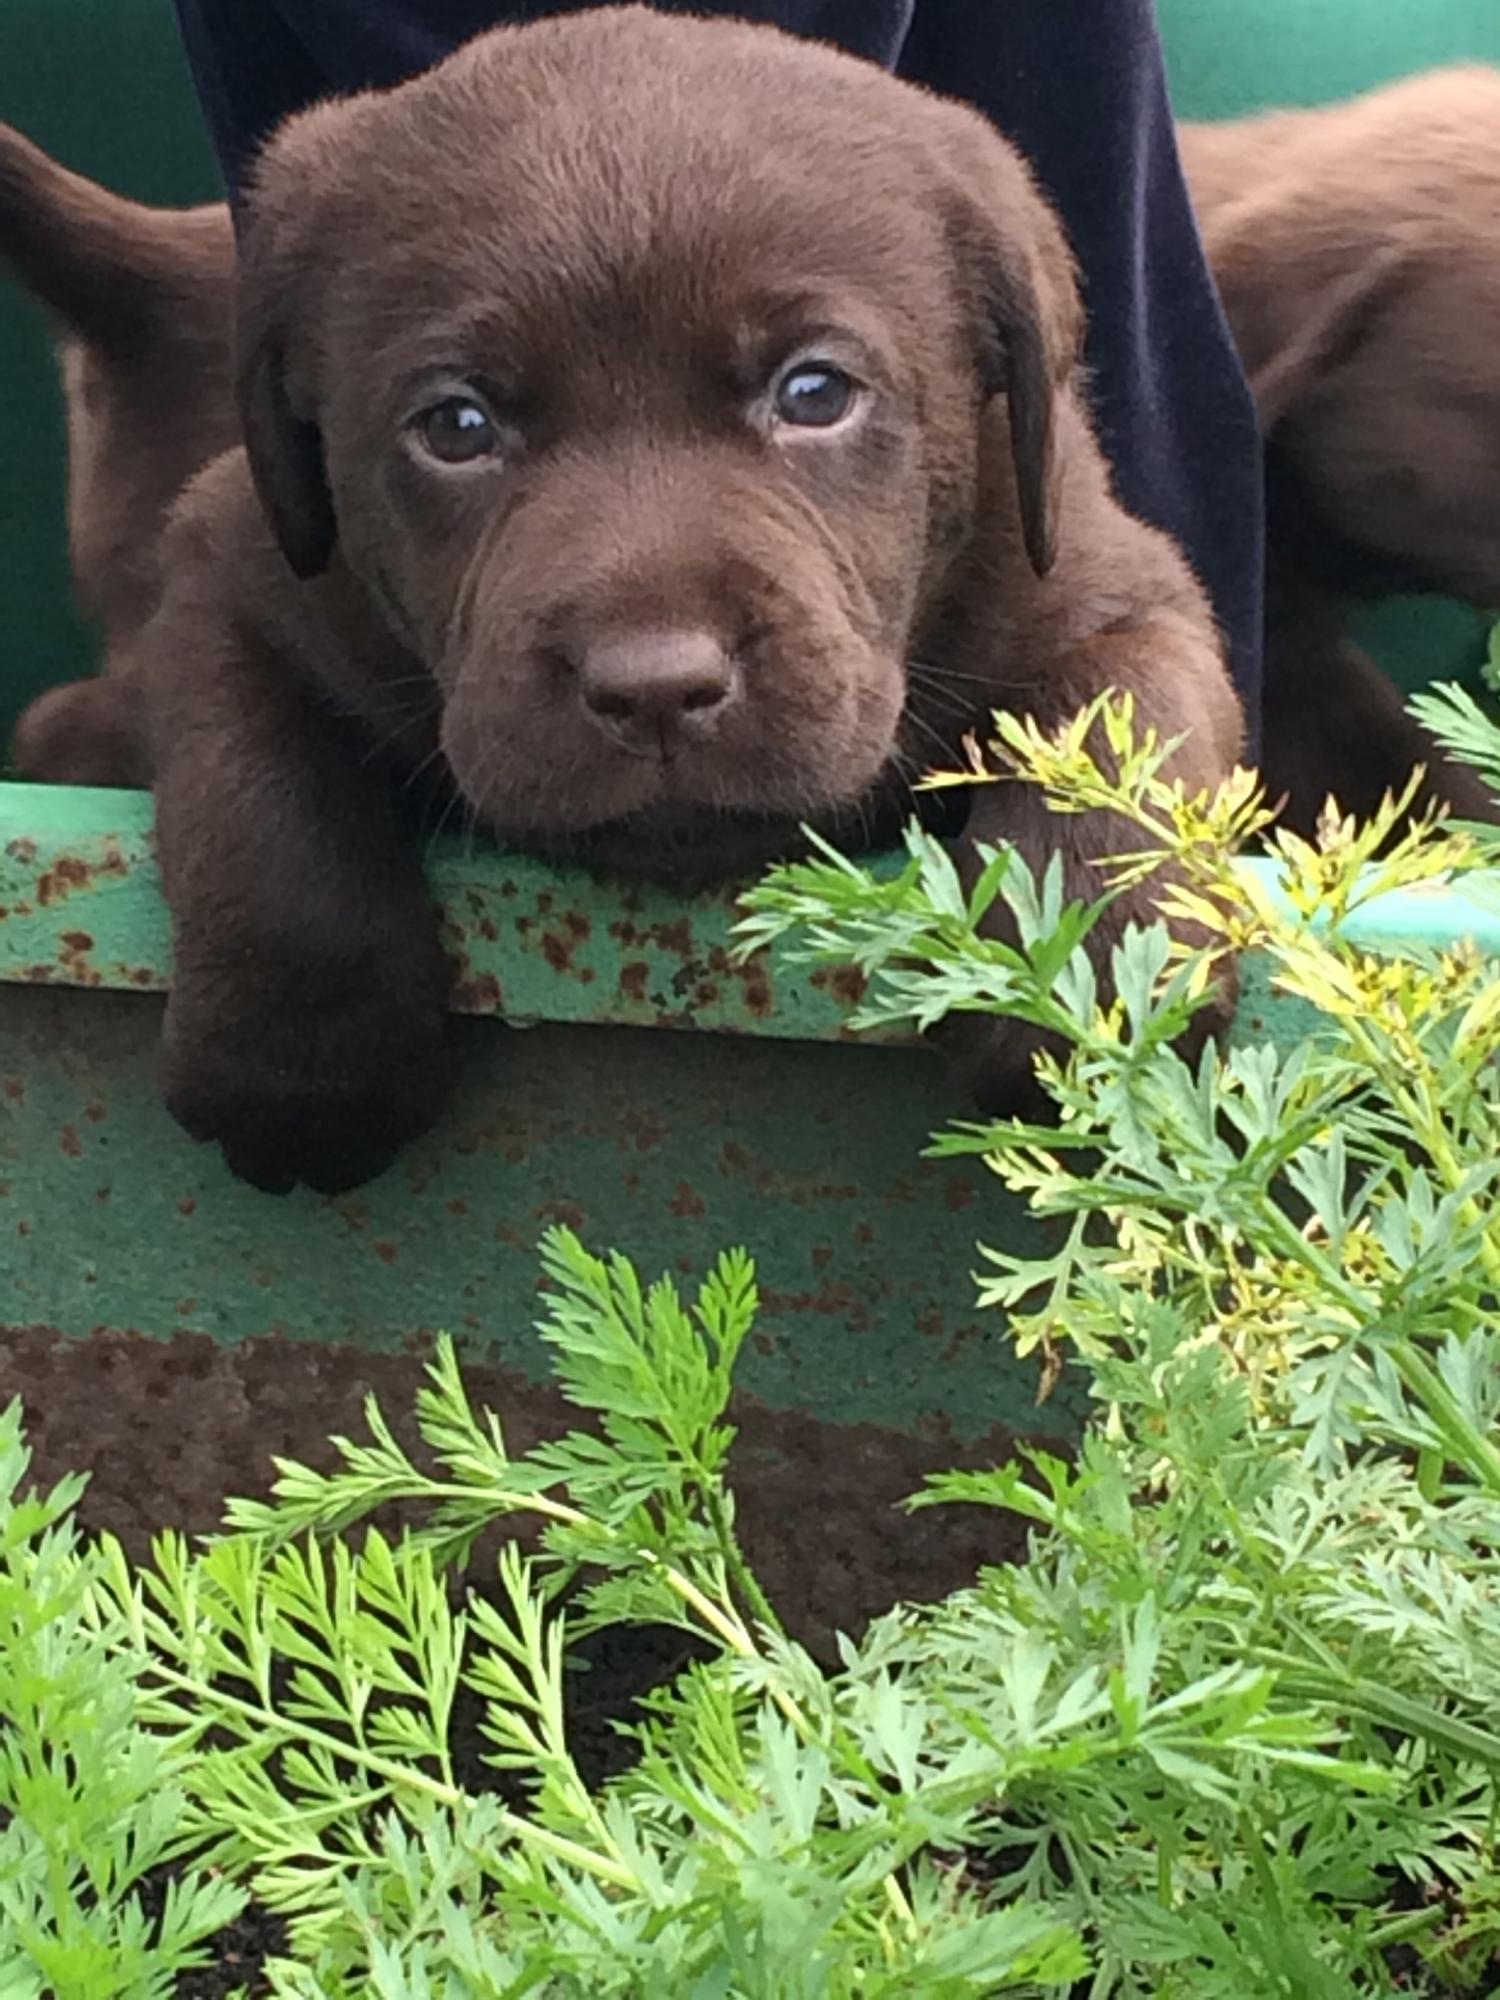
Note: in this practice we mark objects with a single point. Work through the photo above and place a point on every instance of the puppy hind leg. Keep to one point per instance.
(89, 732)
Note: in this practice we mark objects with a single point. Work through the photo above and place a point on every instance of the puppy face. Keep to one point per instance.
(645, 373)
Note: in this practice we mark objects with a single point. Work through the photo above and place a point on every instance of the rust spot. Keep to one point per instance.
(559, 947)
(458, 1206)
(958, 1194)
(70, 1142)
(822, 1256)
(733, 1159)
(96, 1114)
(23, 1229)
(15, 1089)
(544, 903)
(386, 1252)
(481, 994)
(687, 1202)
(758, 994)
(829, 1300)
(66, 874)
(72, 950)
(676, 936)
(187, 1206)
(22, 850)
(186, 1306)
(633, 978)
(646, 1133)
(862, 1233)
(964, 1337)
(568, 1213)
(930, 1323)
(846, 983)
(489, 930)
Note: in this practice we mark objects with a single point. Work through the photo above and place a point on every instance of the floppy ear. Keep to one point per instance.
(282, 439)
(1297, 301)
(1018, 279)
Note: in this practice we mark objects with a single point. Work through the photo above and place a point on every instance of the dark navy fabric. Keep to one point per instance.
(1077, 84)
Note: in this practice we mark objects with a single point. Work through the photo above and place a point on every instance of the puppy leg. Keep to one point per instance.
(1179, 687)
(89, 732)
(1335, 723)
(304, 1028)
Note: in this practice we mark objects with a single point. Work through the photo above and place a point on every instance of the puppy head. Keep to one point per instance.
(1356, 252)
(651, 374)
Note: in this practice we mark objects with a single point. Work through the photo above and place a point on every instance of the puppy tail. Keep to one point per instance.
(102, 266)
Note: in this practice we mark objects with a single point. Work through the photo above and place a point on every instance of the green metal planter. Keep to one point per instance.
(169, 1328)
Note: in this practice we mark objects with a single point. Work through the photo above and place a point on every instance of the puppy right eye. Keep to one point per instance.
(458, 430)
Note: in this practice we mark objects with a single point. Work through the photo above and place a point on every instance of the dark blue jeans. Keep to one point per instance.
(1078, 85)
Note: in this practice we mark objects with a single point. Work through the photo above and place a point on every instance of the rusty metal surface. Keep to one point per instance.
(80, 905)
(785, 1136)
(668, 1146)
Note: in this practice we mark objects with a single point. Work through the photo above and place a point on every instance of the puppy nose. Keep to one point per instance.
(646, 685)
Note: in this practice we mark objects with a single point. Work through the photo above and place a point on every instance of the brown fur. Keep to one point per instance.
(1357, 250)
(619, 229)
(139, 300)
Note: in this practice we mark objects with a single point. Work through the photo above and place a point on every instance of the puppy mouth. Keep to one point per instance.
(804, 734)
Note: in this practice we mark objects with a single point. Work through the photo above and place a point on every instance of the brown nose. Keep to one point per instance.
(644, 687)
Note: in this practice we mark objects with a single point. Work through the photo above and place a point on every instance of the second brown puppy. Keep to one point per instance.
(659, 433)
(1357, 250)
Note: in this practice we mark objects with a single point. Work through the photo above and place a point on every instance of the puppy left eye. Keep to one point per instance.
(458, 430)
(814, 395)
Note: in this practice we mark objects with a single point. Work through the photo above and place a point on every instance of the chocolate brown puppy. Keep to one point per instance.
(659, 433)
(139, 300)
(1357, 250)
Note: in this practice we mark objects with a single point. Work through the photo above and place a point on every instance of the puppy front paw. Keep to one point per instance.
(325, 1098)
(994, 1059)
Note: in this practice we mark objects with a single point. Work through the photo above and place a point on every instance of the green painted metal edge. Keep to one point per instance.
(81, 905)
